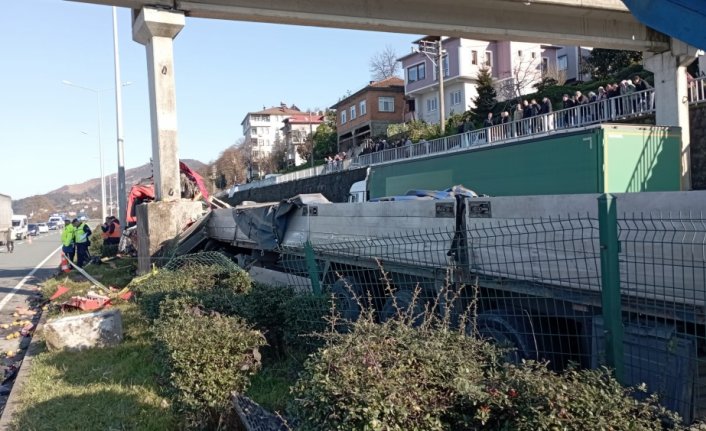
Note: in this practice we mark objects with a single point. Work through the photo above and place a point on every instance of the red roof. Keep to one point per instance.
(305, 119)
(278, 110)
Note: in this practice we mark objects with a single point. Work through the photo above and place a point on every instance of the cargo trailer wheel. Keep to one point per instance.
(511, 330)
(345, 293)
(403, 298)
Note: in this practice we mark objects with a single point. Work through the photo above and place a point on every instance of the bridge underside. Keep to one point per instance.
(599, 23)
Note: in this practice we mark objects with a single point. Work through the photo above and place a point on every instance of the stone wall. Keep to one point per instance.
(697, 123)
(334, 186)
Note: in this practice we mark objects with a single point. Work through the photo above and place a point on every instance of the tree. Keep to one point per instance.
(384, 64)
(326, 136)
(486, 99)
(602, 63)
(525, 73)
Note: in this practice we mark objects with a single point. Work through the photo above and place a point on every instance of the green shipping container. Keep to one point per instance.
(608, 158)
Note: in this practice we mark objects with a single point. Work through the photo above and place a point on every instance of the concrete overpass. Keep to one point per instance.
(601, 23)
(598, 23)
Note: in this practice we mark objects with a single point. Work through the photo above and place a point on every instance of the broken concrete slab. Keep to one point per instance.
(84, 331)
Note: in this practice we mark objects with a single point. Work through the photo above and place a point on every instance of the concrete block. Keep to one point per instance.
(158, 223)
(84, 331)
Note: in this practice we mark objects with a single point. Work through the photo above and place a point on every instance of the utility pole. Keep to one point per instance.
(311, 138)
(433, 49)
(120, 190)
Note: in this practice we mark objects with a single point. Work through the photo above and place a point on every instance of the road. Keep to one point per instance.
(21, 273)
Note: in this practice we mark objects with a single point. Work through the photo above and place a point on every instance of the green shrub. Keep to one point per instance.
(264, 306)
(205, 357)
(304, 316)
(392, 376)
(214, 288)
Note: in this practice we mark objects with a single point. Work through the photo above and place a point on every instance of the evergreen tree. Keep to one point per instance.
(486, 99)
(602, 63)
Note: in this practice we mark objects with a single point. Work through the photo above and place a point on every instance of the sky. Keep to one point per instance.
(224, 69)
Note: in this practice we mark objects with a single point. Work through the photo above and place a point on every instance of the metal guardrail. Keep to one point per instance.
(619, 108)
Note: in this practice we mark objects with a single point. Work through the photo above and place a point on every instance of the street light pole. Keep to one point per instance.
(100, 146)
(120, 189)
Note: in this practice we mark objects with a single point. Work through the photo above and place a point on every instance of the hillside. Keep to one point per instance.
(84, 196)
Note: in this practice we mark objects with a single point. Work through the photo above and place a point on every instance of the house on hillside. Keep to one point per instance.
(515, 66)
(367, 112)
(261, 129)
(297, 131)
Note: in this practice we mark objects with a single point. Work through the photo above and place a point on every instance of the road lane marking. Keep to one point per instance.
(9, 296)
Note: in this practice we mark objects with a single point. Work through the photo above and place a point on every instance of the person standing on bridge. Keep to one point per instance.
(68, 241)
(81, 237)
(9, 240)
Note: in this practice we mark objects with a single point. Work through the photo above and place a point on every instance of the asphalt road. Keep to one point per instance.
(21, 273)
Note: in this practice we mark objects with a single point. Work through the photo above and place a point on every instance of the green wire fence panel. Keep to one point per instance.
(534, 285)
(207, 258)
(663, 279)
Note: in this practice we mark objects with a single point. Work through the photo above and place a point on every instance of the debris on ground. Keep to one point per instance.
(78, 332)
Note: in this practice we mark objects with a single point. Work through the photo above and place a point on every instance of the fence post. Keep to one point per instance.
(313, 269)
(610, 281)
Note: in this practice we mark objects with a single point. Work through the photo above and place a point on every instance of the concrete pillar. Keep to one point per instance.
(671, 101)
(158, 224)
(156, 30)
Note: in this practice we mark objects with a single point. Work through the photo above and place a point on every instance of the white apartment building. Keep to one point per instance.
(263, 128)
(515, 67)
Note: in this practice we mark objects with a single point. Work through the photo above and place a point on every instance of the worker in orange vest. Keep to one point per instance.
(111, 231)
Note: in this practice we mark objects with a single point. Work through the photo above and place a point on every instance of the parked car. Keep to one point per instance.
(42, 227)
(53, 225)
(32, 229)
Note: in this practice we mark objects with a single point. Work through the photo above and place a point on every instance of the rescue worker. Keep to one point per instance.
(81, 238)
(111, 231)
(68, 241)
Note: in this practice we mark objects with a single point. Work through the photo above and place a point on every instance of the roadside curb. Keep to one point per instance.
(13, 402)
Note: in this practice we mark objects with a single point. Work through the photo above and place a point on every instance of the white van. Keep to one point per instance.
(19, 226)
(58, 220)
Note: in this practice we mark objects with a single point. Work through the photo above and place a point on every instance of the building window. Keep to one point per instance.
(416, 73)
(562, 62)
(432, 104)
(343, 117)
(253, 131)
(363, 108)
(545, 65)
(519, 53)
(456, 98)
(353, 112)
(445, 65)
(386, 104)
(534, 55)
(489, 59)
(474, 57)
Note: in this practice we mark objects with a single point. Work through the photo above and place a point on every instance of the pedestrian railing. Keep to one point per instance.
(621, 108)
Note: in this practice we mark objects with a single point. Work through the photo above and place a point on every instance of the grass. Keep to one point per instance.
(110, 388)
(270, 386)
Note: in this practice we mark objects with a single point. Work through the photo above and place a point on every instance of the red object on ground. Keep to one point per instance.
(87, 304)
(60, 290)
(126, 296)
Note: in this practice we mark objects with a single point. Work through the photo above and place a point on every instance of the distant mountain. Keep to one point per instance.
(85, 196)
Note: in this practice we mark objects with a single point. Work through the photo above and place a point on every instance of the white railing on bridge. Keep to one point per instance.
(625, 107)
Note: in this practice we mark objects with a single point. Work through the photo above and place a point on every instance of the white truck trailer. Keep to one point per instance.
(5, 216)
(536, 262)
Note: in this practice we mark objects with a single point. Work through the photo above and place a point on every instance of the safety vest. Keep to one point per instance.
(80, 235)
(67, 235)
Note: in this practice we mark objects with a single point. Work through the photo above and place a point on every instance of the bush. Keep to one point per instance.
(213, 287)
(205, 357)
(264, 307)
(304, 316)
(392, 376)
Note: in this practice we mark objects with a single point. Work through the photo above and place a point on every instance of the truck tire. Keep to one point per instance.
(347, 306)
(403, 298)
(509, 329)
